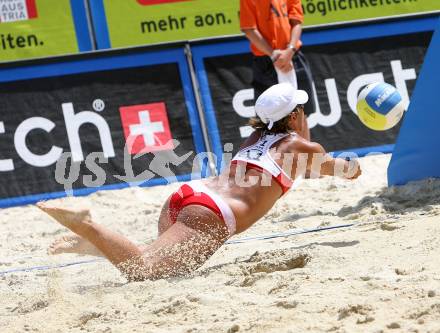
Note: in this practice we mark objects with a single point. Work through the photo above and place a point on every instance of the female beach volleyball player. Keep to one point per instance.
(201, 215)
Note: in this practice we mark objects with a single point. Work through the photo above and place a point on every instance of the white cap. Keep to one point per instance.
(278, 101)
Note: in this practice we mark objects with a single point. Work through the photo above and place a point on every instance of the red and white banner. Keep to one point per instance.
(17, 10)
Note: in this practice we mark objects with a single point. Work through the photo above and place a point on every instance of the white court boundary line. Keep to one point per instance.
(236, 241)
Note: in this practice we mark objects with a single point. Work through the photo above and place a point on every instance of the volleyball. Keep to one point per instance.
(380, 106)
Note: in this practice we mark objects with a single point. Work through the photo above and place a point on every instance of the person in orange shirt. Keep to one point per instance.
(274, 29)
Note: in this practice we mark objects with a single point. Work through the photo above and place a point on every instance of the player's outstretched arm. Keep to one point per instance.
(319, 163)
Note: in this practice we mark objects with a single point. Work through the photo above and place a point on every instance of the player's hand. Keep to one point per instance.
(353, 170)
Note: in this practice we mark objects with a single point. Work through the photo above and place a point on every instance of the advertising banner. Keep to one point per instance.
(40, 28)
(340, 70)
(322, 12)
(100, 123)
(122, 23)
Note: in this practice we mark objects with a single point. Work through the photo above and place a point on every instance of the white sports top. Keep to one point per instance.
(257, 156)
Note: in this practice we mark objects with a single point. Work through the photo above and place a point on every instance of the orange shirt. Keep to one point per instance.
(271, 19)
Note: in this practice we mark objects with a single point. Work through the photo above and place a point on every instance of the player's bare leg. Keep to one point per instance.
(73, 244)
(180, 250)
(115, 247)
(76, 244)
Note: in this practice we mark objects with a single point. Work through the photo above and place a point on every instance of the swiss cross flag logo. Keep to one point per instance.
(146, 128)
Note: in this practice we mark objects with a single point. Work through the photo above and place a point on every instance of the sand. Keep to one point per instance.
(380, 275)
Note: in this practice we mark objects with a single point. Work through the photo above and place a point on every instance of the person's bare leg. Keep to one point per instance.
(73, 244)
(76, 244)
(181, 249)
(164, 219)
(115, 247)
(187, 244)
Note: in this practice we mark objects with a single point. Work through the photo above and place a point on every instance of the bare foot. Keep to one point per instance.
(70, 218)
(73, 244)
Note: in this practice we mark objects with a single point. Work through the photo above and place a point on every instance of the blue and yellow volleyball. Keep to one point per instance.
(380, 106)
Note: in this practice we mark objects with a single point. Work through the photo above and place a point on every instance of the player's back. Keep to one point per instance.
(259, 174)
